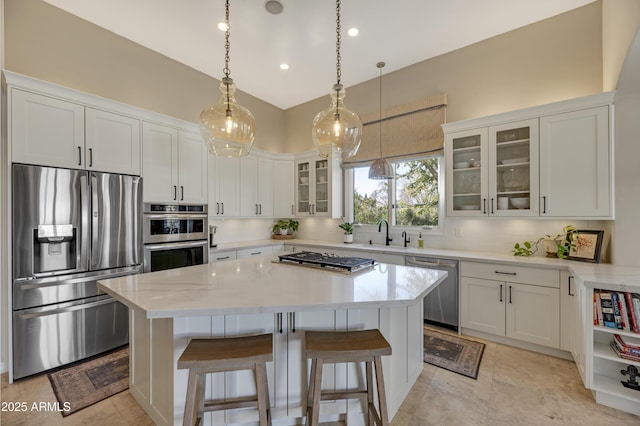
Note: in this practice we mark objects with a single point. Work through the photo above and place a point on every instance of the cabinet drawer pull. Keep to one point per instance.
(79, 156)
(292, 321)
(570, 292)
(90, 157)
(255, 253)
(500, 292)
(505, 273)
(222, 258)
(510, 299)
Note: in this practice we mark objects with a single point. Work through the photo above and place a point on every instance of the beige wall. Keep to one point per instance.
(555, 59)
(619, 23)
(47, 43)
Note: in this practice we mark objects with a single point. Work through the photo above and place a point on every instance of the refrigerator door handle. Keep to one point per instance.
(79, 306)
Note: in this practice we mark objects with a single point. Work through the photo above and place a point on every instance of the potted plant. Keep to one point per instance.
(558, 246)
(347, 227)
(285, 227)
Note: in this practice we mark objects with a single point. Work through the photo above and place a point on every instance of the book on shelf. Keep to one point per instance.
(629, 346)
(624, 314)
(635, 298)
(616, 310)
(608, 317)
(623, 355)
(633, 318)
(597, 309)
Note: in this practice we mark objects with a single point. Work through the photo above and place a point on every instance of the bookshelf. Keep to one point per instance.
(605, 365)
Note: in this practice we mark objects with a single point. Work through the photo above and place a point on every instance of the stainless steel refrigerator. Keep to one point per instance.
(70, 229)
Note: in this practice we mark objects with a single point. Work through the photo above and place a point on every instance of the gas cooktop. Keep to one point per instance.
(346, 264)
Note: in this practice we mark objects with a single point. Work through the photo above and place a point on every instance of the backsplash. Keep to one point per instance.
(488, 235)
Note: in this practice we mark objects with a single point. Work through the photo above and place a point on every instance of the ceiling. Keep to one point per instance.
(398, 32)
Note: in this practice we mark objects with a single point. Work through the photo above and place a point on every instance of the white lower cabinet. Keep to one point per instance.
(512, 301)
(254, 251)
(220, 256)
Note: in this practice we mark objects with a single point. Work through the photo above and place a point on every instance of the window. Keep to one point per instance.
(411, 199)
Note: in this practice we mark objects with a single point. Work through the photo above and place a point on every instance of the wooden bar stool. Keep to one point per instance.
(203, 356)
(366, 346)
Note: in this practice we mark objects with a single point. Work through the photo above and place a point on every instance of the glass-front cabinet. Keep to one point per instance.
(314, 187)
(466, 164)
(493, 171)
(513, 175)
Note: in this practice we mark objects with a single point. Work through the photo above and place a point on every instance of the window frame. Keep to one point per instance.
(349, 184)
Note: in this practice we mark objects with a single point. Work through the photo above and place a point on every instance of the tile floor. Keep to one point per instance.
(514, 387)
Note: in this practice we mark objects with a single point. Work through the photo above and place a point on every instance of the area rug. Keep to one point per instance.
(453, 353)
(88, 382)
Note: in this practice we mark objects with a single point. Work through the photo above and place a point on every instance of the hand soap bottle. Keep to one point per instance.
(420, 241)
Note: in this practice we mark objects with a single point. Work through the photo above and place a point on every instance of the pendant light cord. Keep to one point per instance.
(380, 65)
(227, 47)
(338, 86)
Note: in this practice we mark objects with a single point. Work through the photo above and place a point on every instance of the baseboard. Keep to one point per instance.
(518, 344)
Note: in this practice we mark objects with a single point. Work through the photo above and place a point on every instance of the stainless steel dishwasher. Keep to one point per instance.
(441, 305)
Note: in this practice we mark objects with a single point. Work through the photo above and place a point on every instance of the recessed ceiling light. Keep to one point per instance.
(274, 7)
(284, 66)
(222, 26)
(353, 32)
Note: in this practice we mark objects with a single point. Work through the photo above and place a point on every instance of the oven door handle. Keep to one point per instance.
(174, 216)
(77, 307)
(156, 247)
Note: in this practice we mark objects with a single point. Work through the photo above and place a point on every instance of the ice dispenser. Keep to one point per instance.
(54, 248)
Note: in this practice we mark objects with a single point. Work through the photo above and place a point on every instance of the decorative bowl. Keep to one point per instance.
(461, 165)
(515, 160)
(304, 180)
(520, 203)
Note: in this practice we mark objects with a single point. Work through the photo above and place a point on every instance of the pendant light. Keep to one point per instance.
(228, 129)
(337, 128)
(380, 169)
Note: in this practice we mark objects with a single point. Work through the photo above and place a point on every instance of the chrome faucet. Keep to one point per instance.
(386, 239)
(405, 238)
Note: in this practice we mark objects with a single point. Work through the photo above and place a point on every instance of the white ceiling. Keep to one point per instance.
(398, 32)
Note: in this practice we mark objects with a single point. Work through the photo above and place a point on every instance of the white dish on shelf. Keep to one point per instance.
(322, 179)
(461, 165)
(520, 202)
(304, 179)
(515, 160)
(470, 207)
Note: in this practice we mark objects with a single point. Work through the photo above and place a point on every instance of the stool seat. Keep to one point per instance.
(330, 347)
(202, 356)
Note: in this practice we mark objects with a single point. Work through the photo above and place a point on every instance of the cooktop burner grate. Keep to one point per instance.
(323, 260)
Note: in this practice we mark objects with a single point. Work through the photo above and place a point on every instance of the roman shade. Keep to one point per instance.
(408, 130)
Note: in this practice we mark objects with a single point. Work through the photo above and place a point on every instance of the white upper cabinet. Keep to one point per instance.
(54, 132)
(159, 163)
(256, 186)
(549, 161)
(46, 131)
(112, 142)
(224, 186)
(575, 164)
(192, 168)
(283, 197)
(319, 187)
(174, 165)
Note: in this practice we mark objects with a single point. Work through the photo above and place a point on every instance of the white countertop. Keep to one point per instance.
(256, 285)
(626, 278)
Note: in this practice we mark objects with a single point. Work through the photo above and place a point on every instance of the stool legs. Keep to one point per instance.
(264, 411)
(382, 395)
(190, 406)
(315, 386)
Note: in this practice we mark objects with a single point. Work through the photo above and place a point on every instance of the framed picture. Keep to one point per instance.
(588, 246)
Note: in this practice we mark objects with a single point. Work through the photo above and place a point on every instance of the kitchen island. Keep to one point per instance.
(257, 295)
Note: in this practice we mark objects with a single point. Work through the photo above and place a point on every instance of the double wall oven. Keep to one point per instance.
(175, 235)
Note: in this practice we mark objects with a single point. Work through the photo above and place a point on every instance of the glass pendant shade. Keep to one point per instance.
(228, 128)
(336, 128)
(380, 169)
